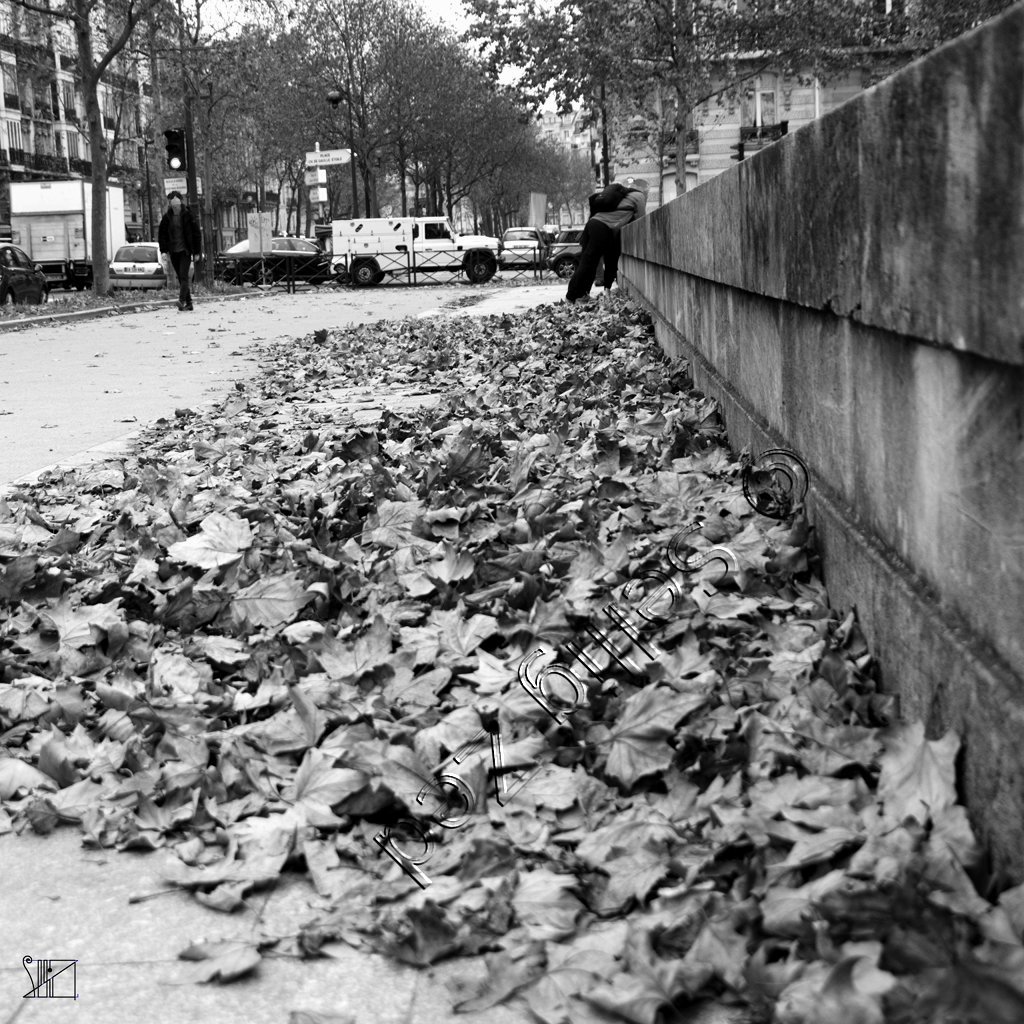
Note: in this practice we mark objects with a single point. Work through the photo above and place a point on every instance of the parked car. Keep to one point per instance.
(21, 280)
(139, 265)
(565, 253)
(300, 258)
(523, 247)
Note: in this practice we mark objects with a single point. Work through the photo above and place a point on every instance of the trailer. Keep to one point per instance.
(52, 222)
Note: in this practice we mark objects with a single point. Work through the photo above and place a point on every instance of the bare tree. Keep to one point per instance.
(102, 30)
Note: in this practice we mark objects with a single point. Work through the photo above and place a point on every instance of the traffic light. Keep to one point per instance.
(176, 150)
(739, 151)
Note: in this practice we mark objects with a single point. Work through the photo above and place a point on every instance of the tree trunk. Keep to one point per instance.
(97, 149)
(682, 122)
(401, 179)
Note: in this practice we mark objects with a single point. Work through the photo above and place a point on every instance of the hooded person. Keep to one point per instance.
(612, 209)
(178, 236)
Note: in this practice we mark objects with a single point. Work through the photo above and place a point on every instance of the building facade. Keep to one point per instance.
(43, 134)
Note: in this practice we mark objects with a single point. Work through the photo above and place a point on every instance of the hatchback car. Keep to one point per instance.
(139, 265)
(21, 280)
(522, 247)
(298, 258)
(565, 253)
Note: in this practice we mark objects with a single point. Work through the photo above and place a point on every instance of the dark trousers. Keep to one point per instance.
(598, 241)
(181, 261)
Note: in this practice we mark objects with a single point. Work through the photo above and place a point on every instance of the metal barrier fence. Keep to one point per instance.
(438, 268)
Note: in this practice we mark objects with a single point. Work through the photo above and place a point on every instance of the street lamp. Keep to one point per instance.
(142, 209)
(334, 98)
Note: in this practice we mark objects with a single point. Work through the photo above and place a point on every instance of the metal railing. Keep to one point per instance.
(761, 135)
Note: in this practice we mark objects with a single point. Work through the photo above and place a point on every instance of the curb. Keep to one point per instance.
(92, 314)
(112, 449)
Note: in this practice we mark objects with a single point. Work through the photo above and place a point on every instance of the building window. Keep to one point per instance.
(759, 106)
(11, 98)
(73, 149)
(15, 142)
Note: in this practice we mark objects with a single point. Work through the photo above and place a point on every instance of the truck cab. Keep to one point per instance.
(368, 250)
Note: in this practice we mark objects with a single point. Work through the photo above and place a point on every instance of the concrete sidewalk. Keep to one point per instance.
(62, 901)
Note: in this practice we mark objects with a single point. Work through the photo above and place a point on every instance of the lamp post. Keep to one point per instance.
(142, 209)
(334, 98)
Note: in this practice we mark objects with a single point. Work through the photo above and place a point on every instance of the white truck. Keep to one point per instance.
(368, 250)
(52, 222)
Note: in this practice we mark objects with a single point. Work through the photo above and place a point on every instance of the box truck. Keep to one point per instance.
(52, 222)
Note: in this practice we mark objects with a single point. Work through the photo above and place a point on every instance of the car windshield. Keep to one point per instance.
(570, 236)
(136, 254)
(521, 235)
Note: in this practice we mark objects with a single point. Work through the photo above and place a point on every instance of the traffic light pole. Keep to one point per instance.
(190, 155)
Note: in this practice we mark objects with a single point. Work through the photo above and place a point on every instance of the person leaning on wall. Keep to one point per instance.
(612, 209)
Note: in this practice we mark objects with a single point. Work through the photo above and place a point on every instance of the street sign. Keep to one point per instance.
(317, 176)
(327, 157)
(181, 185)
(260, 230)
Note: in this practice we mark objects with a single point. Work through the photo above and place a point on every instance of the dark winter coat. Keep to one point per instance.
(189, 227)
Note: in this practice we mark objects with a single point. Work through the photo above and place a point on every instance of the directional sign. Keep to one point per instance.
(327, 157)
(316, 177)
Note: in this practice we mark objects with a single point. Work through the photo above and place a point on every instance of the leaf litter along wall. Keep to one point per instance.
(251, 642)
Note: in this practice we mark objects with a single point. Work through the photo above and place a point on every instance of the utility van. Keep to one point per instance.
(368, 250)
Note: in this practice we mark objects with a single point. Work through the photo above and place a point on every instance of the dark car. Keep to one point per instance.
(20, 279)
(297, 258)
(565, 253)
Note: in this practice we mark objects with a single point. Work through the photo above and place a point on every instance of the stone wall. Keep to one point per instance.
(856, 293)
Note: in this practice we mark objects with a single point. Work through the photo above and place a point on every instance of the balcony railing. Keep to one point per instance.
(49, 163)
(761, 135)
(18, 157)
(80, 166)
(42, 113)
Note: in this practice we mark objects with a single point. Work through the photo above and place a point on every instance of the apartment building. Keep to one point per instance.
(43, 134)
(766, 108)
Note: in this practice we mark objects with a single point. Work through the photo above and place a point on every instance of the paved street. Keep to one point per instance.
(68, 387)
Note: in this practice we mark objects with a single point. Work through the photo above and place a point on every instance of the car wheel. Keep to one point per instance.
(480, 267)
(365, 273)
(565, 267)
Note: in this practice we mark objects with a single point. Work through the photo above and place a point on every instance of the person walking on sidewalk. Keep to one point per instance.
(611, 209)
(179, 237)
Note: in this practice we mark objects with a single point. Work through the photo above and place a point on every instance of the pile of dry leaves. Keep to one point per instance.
(255, 641)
